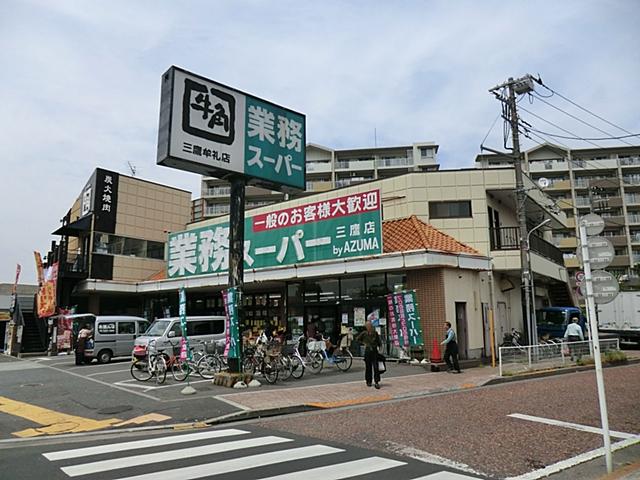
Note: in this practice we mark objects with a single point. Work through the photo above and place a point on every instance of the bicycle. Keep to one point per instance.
(211, 362)
(341, 357)
(153, 365)
(256, 359)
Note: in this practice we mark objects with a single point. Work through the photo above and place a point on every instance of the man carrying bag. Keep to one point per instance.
(371, 341)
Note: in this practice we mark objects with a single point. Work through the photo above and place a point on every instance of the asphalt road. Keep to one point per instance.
(477, 429)
(108, 391)
(244, 452)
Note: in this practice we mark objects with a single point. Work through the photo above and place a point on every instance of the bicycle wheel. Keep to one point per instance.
(285, 366)
(208, 366)
(180, 370)
(160, 369)
(297, 368)
(249, 365)
(344, 360)
(315, 362)
(140, 370)
(270, 371)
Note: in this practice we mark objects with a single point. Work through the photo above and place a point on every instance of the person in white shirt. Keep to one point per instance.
(574, 334)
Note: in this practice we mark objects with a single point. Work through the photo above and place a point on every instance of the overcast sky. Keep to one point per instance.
(80, 81)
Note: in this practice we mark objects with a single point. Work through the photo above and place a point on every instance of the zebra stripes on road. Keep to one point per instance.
(130, 461)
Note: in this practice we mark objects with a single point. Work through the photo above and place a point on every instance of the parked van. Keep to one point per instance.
(114, 336)
(552, 321)
(167, 333)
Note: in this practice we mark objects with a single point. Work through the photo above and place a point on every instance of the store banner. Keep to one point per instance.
(64, 333)
(232, 349)
(46, 298)
(343, 227)
(404, 319)
(185, 351)
(39, 268)
(227, 323)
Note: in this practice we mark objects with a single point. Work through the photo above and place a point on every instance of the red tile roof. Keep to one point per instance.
(161, 275)
(408, 234)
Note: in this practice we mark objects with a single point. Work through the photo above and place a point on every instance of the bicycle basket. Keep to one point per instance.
(316, 345)
(288, 349)
(211, 348)
(273, 348)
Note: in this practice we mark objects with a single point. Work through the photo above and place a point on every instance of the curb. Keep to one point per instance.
(253, 414)
(551, 373)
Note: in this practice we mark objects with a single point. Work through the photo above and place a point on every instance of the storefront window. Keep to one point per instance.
(352, 288)
(325, 291)
(108, 244)
(376, 285)
(396, 281)
(134, 247)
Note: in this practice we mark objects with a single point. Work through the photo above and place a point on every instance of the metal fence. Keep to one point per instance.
(529, 358)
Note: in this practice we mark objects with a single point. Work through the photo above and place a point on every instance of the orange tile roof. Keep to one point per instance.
(408, 234)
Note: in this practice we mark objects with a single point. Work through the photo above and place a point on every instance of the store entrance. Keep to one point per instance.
(325, 318)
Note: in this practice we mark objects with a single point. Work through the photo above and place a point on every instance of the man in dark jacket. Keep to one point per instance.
(371, 341)
(451, 349)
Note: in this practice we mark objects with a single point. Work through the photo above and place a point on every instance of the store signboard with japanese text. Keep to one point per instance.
(214, 130)
(343, 227)
(404, 319)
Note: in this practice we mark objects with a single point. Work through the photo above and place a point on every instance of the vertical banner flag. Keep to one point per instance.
(185, 351)
(404, 319)
(234, 334)
(227, 326)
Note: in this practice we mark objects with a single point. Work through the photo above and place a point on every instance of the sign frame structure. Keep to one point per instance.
(205, 250)
(232, 151)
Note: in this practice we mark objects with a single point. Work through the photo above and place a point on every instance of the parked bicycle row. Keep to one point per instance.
(272, 359)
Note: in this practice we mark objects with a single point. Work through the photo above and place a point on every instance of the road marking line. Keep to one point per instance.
(150, 417)
(117, 387)
(179, 384)
(231, 402)
(340, 471)
(169, 455)
(52, 422)
(572, 462)
(238, 464)
(426, 457)
(446, 476)
(574, 426)
(109, 372)
(136, 444)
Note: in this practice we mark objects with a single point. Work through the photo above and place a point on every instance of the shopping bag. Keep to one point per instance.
(382, 365)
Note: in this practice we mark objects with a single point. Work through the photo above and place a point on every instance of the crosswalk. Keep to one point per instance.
(234, 453)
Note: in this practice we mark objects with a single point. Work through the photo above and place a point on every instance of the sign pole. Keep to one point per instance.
(590, 302)
(236, 258)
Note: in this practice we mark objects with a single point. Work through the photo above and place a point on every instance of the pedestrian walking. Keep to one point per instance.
(81, 344)
(573, 334)
(371, 341)
(451, 349)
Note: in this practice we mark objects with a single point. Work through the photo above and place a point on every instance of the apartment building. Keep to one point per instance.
(327, 169)
(605, 181)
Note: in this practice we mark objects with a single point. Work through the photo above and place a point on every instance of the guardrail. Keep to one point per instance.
(529, 358)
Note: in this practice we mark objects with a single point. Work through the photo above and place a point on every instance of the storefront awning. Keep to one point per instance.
(74, 229)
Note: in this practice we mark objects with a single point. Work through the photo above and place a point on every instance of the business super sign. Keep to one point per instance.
(214, 130)
(348, 226)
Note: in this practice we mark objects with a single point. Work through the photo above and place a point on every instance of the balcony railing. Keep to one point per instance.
(77, 265)
(508, 238)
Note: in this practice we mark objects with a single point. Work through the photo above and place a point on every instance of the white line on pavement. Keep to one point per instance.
(574, 426)
(572, 462)
(108, 372)
(231, 402)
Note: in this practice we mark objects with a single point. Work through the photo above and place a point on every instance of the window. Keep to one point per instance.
(457, 209)
(176, 329)
(107, 328)
(142, 327)
(127, 328)
(108, 244)
(205, 327)
(155, 250)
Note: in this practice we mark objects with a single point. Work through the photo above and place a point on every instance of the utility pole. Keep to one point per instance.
(519, 86)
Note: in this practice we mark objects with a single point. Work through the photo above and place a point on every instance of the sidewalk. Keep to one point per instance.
(354, 393)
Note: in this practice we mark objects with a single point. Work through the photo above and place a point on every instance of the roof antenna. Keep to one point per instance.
(375, 137)
(132, 168)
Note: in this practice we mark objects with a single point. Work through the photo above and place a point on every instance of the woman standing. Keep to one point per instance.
(371, 341)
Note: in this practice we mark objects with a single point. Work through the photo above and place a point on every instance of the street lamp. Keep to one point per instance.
(532, 323)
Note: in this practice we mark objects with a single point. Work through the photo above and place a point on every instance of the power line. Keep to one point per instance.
(577, 118)
(586, 138)
(559, 127)
(582, 108)
(490, 129)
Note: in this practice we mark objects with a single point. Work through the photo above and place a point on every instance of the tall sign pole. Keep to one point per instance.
(236, 258)
(591, 314)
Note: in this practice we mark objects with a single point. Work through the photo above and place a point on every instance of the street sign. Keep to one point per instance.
(214, 130)
(593, 223)
(601, 252)
(605, 287)
(579, 276)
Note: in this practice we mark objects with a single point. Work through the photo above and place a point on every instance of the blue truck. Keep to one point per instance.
(553, 321)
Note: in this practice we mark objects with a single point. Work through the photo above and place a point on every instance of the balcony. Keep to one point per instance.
(76, 266)
(394, 162)
(629, 161)
(620, 261)
(354, 165)
(318, 167)
(560, 185)
(570, 242)
(507, 238)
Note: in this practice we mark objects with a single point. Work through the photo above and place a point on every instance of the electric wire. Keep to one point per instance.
(553, 92)
(577, 118)
(587, 138)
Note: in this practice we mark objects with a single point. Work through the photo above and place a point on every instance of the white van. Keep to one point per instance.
(167, 334)
(113, 335)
